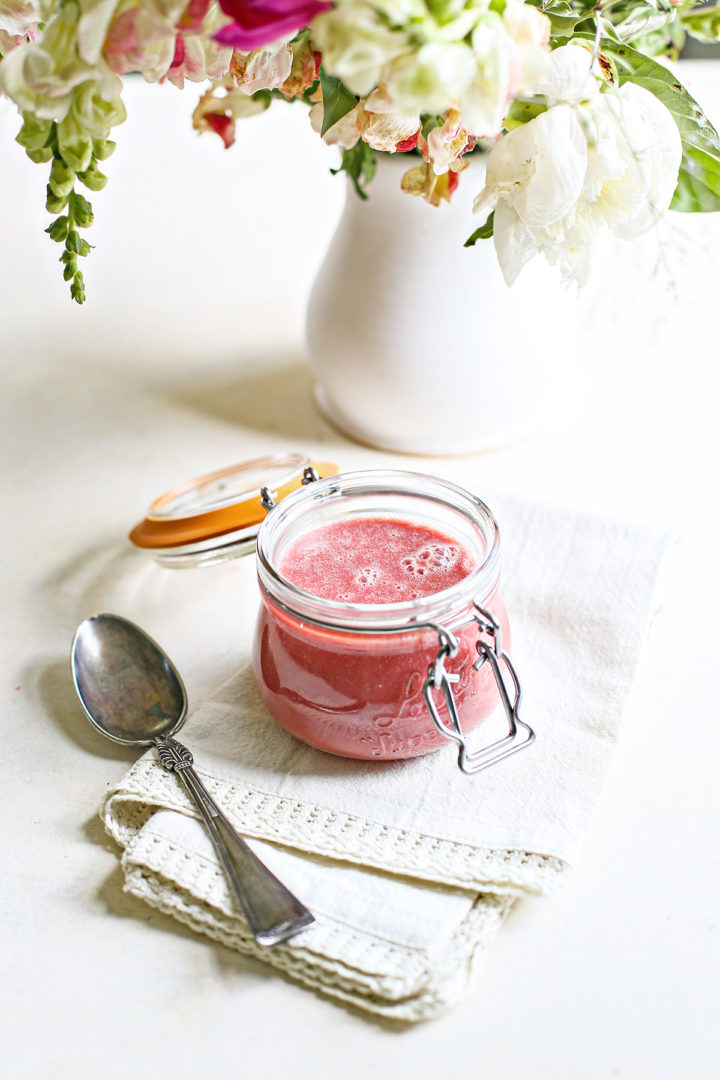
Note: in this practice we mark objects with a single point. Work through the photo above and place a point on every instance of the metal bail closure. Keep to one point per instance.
(489, 648)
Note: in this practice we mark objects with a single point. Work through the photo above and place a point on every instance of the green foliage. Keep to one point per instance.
(668, 41)
(631, 19)
(430, 122)
(337, 100)
(483, 233)
(703, 24)
(619, 20)
(698, 186)
(523, 110)
(359, 163)
(563, 16)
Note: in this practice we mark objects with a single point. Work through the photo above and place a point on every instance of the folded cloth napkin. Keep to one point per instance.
(410, 867)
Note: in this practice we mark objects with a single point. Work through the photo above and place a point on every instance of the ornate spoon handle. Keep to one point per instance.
(272, 912)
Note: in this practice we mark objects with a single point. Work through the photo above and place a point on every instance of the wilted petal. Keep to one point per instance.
(17, 17)
(538, 168)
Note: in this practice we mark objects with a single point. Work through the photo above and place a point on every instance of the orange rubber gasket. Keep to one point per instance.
(154, 533)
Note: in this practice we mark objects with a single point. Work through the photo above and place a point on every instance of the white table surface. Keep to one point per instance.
(187, 356)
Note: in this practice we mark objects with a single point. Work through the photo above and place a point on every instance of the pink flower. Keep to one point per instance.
(260, 22)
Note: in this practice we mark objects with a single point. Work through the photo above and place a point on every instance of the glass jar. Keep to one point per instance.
(395, 680)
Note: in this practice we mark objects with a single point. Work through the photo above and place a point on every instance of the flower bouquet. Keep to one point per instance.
(586, 129)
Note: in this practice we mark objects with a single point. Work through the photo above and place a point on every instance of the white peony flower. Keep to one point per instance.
(603, 160)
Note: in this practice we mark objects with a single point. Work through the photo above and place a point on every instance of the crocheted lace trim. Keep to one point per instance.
(363, 970)
(321, 831)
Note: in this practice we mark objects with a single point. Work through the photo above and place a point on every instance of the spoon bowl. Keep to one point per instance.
(129, 689)
(132, 693)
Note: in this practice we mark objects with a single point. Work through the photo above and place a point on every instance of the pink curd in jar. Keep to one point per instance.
(358, 693)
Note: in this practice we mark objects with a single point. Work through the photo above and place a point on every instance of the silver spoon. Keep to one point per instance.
(132, 694)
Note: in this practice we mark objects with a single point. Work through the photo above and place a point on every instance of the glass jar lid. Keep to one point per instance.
(216, 517)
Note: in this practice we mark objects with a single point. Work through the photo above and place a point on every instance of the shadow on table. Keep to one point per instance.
(96, 577)
(272, 395)
(50, 684)
(230, 965)
(122, 905)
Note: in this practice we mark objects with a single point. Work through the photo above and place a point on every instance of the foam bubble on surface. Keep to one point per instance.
(375, 561)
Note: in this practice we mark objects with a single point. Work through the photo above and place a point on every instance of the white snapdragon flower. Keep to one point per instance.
(380, 124)
(17, 16)
(18, 24)
(42, 77)
(529, 32)
(431, 79)
(446, 144)
(478, 77)
(93, 25)
(264, 69)
(356, 43)
(484, 101)
(401, 12)
(595, 160)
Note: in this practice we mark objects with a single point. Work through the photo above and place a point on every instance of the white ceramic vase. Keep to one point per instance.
(416, 343)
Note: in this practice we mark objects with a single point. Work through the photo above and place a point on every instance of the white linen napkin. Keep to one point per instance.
(410, 867)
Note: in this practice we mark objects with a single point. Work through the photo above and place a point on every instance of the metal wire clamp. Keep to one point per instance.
(490, 651)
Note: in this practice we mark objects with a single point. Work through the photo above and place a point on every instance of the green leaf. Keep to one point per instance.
(359, 163)
(483, 233)
(703, 24)
(523, 110)
(337, 100)
(668, 41)
(563, 17)
(431, 122)
(698, 187)
(634, 18)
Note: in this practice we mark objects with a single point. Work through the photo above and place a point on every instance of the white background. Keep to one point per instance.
(188, 356)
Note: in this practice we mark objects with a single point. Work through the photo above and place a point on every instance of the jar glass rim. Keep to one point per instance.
(380, 483)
